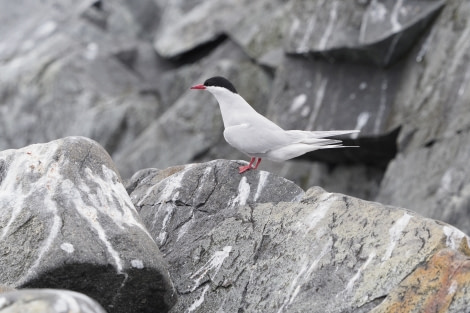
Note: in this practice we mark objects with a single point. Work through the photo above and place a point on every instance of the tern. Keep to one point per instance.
(258, 137)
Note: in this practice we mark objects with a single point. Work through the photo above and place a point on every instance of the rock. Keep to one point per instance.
(317, 95)
(261, 31)
(314, 94)
(209, 190)
(259, 27)
(235, 248)
(4, 288)
(47, 300)
(436, 83)
(430, 173)
(432, 181)
(438, 285)
(69, 77)
(378, 33)
(68, 223)
(186, 26)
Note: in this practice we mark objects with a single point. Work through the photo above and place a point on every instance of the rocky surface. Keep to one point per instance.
(68, 223)
(436, 286)
(430, 173)
(377, 31)
(233, 246)
(47, 300)
(201, 237)
(119, 72)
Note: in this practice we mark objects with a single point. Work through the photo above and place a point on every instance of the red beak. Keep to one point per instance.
(198, 87)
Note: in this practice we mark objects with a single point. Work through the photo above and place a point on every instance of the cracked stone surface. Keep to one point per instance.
(438, 285)
(64, 74)
(68, 223)
(232, 249)
(377, 32)
(429, 175)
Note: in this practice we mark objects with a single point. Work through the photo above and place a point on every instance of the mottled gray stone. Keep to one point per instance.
(314, 94)
(432, 181)
(430, 173)
(432, 102)
(186, 26)
(262, 30)
(63, 75)
(168, 200)
(67, 222)
(231, 249)
(47, 300)
(377, 32)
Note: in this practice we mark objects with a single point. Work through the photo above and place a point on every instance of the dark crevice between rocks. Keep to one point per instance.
(372, 151)
(197, 53)
(128, 57)
(430, 143)
(383, 52)
(371, 304)
(96, 14)
(138, 290)
(115, 139)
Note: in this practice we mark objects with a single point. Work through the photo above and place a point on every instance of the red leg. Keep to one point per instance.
(257, 163)
(243, 169)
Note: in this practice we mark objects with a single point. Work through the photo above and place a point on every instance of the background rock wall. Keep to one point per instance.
(119, 72)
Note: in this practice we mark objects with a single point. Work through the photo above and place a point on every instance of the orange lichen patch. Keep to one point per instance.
(464, 246)
(433, 286)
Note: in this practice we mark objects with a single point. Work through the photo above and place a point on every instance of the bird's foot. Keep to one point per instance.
(243, 169)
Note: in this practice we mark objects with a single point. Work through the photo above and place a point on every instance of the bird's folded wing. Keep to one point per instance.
(319, 134)
(251, 140)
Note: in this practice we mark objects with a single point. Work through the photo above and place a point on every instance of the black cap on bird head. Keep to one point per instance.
(219, 81)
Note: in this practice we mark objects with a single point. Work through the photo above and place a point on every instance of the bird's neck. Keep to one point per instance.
(234, 108)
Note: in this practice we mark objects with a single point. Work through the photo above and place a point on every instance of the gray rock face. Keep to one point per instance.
(430, 173)
(446, 193)
(186, 26)
(232, 252)
(308, 93)
(64, 75)
(377, 32)
(119, 72)
(198, 197)
(374, 31)
(68, 223)
(47, 300)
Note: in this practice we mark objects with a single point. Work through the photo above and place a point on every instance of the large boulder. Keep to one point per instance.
(432, 180)
(256, 243)
(438, 285)
(197, 197)
(63, 74)
(68, 223)
(377, 32)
